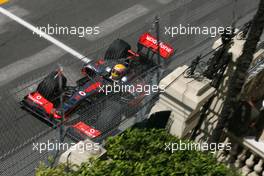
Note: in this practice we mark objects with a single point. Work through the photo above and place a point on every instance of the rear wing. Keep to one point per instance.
(149, 41)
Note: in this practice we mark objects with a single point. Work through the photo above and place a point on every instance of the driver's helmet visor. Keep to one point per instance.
(116, 73)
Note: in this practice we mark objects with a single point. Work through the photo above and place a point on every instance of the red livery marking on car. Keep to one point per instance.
(56, 116)
(87, 130)
(37, 98)
(100, 62)
(133, 53)
(149, 41)
(93, 87)
(40, 100)
(77, 97)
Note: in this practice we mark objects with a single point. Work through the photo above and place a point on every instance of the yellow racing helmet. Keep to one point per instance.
(118, 71)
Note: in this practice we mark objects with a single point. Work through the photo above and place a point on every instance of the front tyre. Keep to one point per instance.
(49, 87)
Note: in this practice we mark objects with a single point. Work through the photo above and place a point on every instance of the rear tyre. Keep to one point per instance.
(117, 50)
(49, 88)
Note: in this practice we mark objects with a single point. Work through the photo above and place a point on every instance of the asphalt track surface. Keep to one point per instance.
(25, 57)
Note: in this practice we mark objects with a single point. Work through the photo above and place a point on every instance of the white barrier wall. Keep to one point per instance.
(183, 97)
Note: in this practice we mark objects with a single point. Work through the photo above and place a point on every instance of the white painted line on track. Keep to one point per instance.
(117, 21)
(44, 35)
(23, 66)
